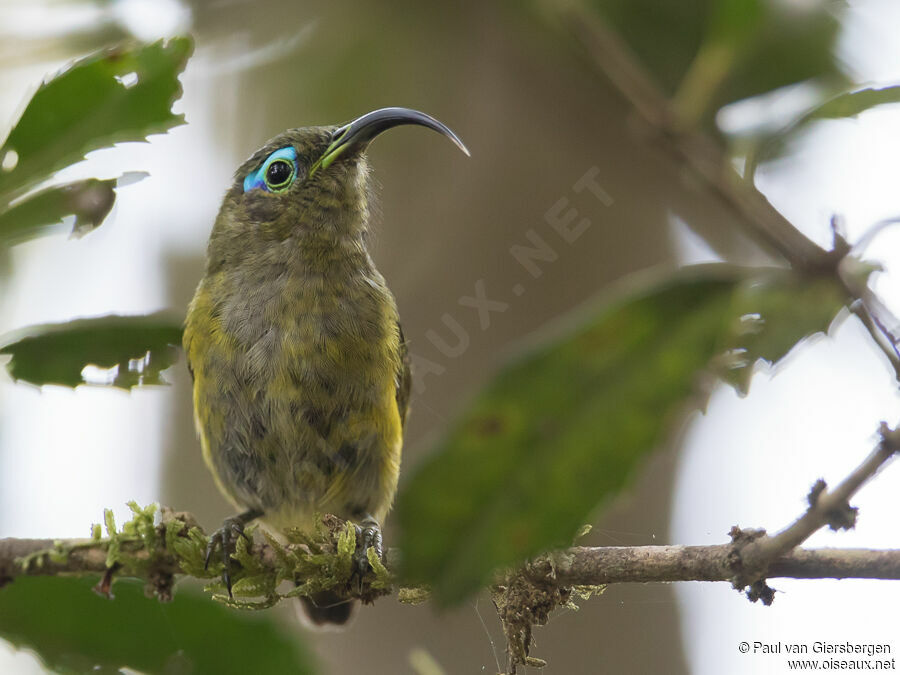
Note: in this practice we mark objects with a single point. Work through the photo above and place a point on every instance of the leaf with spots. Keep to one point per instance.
(127, 350)
(562, 430)
(556, 433)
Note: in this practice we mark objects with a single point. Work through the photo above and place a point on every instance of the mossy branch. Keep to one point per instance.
(157, 549)
(158, 545)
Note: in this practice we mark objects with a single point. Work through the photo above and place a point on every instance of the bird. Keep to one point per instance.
(301, 375)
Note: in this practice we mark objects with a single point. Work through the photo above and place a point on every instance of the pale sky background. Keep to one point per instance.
(816, 417)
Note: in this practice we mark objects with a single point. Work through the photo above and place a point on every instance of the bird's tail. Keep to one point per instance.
(326, 610)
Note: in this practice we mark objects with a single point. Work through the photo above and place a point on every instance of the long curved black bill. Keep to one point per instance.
(362, 130)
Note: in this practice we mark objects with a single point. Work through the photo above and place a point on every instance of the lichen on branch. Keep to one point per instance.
(158, 543)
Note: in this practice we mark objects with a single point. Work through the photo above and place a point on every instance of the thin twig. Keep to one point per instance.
(826, 507)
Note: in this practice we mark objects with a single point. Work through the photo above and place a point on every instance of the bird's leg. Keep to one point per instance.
(226, 537)
(368, 533)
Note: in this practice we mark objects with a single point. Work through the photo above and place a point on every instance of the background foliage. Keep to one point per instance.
(555, 434)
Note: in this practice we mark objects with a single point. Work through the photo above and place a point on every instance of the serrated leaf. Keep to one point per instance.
(73, 630)
(134, 350)
(774, 313)
(557, 433)
(120, 94)
(89, 201)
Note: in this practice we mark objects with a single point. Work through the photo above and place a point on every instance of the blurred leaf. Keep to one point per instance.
(90, 201)
(135, 349)
(853, 103)
(73, 630)
(848, 104)
(764, 45)
(122, 94)
(732, 27)
(734, 21)
(557, 433)
(665, 34)
(562, 430)
(774, 313)
(794, 43)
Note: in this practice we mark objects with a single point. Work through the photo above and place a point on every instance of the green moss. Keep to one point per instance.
(384, 580)
(154, 545)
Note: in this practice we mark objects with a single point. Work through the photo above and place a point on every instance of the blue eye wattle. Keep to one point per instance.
(276, 174)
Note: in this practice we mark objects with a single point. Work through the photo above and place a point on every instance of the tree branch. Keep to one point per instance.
(752, 556)
(711, 168)
(575, 566)
(524, 597)
(826, 507)
(156, 550)
(690, 149)
(583, 566)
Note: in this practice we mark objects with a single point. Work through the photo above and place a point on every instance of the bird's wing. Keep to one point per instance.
(404, 378)
(186, 348)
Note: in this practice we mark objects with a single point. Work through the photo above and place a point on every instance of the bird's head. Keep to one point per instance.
(310, 182)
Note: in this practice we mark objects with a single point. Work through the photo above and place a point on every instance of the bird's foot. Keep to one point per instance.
(225, 538)
(368, 535)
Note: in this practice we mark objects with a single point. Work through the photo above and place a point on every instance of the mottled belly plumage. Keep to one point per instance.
(296, 399)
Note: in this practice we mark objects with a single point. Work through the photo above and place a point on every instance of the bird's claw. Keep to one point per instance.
(226, 538)
(367, 535)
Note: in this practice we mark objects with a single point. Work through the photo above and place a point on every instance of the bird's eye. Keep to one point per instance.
(276, 174)
(279, 174)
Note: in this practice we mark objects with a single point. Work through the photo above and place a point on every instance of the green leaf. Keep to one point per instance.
(649, 28)
(562, 430)
(848, 104)
(793, 44)
(734, 21)
(90, 201)
(851, 104)
(137, 347)
(74, 630)
(557, 433)
(727, 50)
(779, 44)
(121, 94)
(774, 313)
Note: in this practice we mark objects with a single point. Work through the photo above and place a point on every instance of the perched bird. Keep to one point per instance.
(301, 377)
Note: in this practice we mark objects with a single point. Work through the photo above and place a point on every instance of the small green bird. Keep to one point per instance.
(301, 376)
